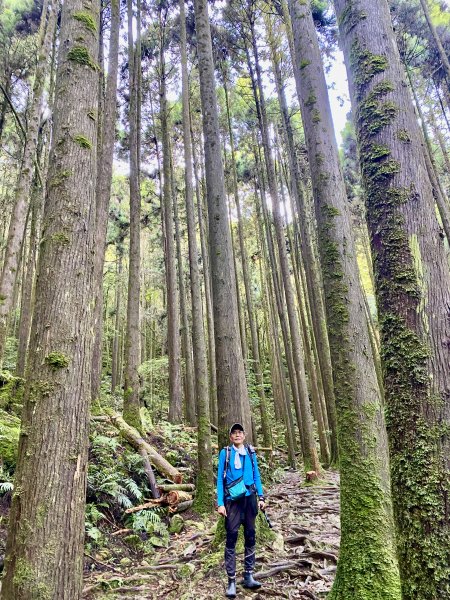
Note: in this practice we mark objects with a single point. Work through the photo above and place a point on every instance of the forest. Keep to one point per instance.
(217, 213)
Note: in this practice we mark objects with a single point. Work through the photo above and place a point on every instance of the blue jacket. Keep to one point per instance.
(233, 474)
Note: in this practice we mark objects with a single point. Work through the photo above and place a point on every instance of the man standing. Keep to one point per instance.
(238, 485)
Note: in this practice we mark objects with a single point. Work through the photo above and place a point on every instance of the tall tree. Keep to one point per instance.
(204, 496)
(131, 403)
(413, 294)
(44, 556)
(231, 384)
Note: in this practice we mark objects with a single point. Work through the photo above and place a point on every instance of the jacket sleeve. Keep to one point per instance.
(220, 468)
(258, 484)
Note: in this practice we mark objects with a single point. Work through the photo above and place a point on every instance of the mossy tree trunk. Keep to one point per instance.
(132, 352)
(231, 383)
(413, 295)
(44, 556)
(18, 220)
(205, 490)
(363, 453)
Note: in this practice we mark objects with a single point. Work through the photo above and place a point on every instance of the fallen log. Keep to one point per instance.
(184, 487)
(133, 436)
(175, 497)
(149, 504)
(181, 507)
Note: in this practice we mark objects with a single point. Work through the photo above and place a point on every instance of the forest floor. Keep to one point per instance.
(299, 563)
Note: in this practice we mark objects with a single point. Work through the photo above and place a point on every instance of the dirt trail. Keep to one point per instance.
(300, 563)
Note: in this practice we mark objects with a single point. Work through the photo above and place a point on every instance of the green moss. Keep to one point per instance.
(315, 115)
(312, 99)
(350, 16)
(365, 64)
(60, 238)
(9, 439)
(81, 56)
(28, 581)
(60, 177)
(57, 360)
(403, 136)
(304, 63)
(86, 19)
(82, 141)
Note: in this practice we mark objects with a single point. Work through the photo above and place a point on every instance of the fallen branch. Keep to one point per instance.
(175, 497)
(133, 436)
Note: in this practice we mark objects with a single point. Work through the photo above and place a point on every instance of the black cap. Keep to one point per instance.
(237, 427)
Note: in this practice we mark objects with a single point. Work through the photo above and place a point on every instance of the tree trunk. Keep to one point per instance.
(186, 339)
(117, 323)
(413, 295)
(104, 179)
(205, 489)
(21, 202)
(132, 351)
(231, 384)
(44, 555)
(173, 317)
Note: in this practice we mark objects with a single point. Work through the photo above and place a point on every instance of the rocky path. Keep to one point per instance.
(299, 563)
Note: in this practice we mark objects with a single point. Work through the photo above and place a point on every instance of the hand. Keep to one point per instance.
(262, 505)
(222, 511)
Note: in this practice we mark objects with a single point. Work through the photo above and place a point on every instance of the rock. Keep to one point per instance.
(125, 561)
(176, 524)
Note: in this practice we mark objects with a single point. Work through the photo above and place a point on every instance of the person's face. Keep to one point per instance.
(237, 437)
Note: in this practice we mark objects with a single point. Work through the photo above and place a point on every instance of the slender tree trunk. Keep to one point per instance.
(442, 55)
(185, 329)
(204, 496)
(413, 294)
(104, 179)
(44, 555)
(173, 317)
(21, 202)
(132, 351)
(231, 384)
(117, 322)
(208, 297)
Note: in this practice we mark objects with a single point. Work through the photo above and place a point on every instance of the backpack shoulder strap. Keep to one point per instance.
(251, 452)
(227, 461)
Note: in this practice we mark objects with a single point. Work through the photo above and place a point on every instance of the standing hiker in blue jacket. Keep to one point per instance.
(239, 493)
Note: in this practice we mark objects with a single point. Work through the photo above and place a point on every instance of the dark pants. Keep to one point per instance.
(240, 512)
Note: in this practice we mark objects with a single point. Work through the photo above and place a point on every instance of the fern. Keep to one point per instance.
(5, 487)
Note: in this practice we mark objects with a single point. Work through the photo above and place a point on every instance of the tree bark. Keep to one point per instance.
(413, 295)
(44, 555)
(231, 384)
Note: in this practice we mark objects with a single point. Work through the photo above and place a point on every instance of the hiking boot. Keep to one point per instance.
(231, 589)
(249, 582)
